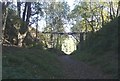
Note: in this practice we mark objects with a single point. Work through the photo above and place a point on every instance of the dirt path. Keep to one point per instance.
(74, 69)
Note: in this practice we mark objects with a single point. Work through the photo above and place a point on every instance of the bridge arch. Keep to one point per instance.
(68, 42)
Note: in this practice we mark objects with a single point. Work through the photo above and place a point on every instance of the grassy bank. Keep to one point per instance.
(101, 49)
(30, 63)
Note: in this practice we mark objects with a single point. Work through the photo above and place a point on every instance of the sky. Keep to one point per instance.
(42, 23)
(70, 3)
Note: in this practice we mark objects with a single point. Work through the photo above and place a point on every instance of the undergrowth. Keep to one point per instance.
(101, 49)
(30, 63)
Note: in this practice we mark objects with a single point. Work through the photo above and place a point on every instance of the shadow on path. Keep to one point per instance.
(74, 69)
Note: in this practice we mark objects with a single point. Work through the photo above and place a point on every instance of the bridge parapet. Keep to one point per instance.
(64, 33)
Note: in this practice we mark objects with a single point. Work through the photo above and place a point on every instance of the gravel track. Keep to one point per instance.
(74, 69)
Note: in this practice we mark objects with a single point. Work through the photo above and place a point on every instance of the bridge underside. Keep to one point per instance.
(61, 33)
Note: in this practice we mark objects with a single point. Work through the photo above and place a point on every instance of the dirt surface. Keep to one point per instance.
(74, 69)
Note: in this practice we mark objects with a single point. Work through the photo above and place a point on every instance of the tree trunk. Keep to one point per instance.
(60, 42)
(1, 24)
(112, 9)
(86, 30)
(18, 7)
(90, 25)
(37, 29)
(111, 16)
(24, 28)
(5, 14)
(102, 17)
(57, 43)
(24, 12)
(118, 10)
(28, 12)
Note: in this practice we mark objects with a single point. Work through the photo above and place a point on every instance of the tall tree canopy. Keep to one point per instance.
(86, 16)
